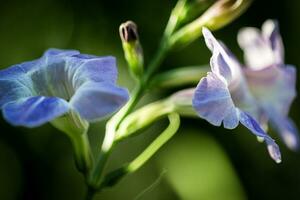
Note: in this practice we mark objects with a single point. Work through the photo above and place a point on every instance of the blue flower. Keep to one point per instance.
(60, 83)
(223, 96)
(271, 82)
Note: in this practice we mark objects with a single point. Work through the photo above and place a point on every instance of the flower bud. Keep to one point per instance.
(221, 13)
(132, 48)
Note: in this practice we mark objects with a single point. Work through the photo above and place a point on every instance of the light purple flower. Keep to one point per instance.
(59, 83)
(272, 83)
(223, 95)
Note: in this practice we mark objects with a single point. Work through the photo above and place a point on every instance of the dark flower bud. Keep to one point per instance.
(132, 48)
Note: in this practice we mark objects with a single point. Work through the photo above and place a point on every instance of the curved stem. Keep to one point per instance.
(113, 177)
(167, 134)
(115, 121)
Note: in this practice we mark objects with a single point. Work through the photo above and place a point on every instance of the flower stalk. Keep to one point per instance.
(113, 177)
(221, 13)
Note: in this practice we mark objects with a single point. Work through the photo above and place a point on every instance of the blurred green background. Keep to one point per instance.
(200, 162)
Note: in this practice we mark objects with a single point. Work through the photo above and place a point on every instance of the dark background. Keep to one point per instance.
(200, 162)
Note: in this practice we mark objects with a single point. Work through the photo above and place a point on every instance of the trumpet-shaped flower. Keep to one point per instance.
(271, 82)
(223, 95)
(59, 83)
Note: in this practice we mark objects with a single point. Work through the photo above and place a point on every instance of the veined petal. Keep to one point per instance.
(34, 111)
(94, 100)
(63, 71)
(92, 68)
(254, 127)
(14, 89)
(17, 70)
(222, 61)
(226, 66)
(212, 101)
(15, 83)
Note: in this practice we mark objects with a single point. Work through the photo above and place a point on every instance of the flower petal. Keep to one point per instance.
(93, 68)
(286, 128)
(212, 101)
(61, 72)
(94, 100)
(17, 70)
(257, 49)
(274, 88)
(50, 53)
(14, 89)
(222, 61)
(254, 127)
(34, 111)
(270, 30)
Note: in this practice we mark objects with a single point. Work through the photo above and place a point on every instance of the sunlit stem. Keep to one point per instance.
(115, 121)
(221, 13)
(175, 17)
(156, 144)
(136, 121)
(189, 75)
(113, 177)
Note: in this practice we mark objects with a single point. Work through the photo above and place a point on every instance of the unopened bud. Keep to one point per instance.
(128, 31)
(132, 48)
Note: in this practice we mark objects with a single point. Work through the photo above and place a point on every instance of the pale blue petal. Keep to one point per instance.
(286, 129)
(34, 111)
(15, 83)
(222, 61)
(255, 128)
(14, 89)
(262, 48)
(273, 87)
(94, 100)
(258, 53)
(87, 81)
(17, 70)
(98, 69)
(270, 30)
(55, 53)
(65, 71)
(25, 67)
(212, 101)
(225, 65)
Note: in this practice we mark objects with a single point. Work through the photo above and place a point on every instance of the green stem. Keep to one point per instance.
(189, 75)
(136, 121)
(156, 144)
(115, 121)
(82, 151)
(115, 176)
